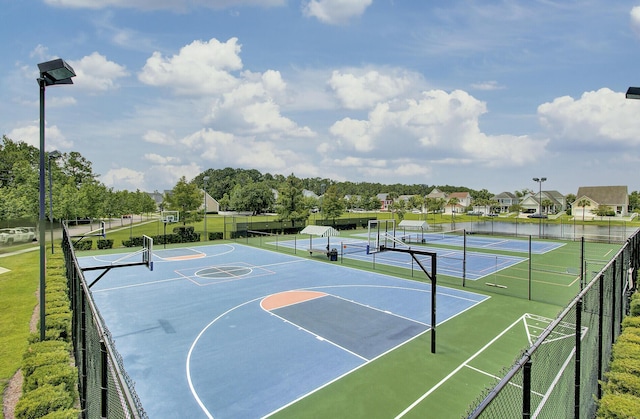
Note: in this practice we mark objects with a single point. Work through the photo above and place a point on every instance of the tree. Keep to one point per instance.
(547, 204)
(333, 205)
(416, 202)
(290, 204)
(634, 201)
(77, 168)
(185, 197)
(252, 196)
(584, 202)
(604, 210)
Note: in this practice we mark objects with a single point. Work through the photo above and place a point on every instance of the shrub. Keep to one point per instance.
(59, 324)
(631, 321)
(42, 401)
(635, 307)
(83, 245)
(63, 414)
(622, 382)
(619, 406)
(626, 349)
(104, 243)
(40, 359)
(54, 374)
(216, 235)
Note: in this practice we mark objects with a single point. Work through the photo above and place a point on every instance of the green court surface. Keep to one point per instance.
(475, 349)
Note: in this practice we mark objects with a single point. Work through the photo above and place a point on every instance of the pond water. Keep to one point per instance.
(568, 231)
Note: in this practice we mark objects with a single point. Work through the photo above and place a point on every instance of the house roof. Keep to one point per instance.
(604, 194)
(505, 195)
(460, 195)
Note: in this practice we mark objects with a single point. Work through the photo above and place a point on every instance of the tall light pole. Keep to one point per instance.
(539, 180)
(206, 181)
(52, 156)
(51, 73)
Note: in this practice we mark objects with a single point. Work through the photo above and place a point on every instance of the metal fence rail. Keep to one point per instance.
(104, 387)
(560, 375)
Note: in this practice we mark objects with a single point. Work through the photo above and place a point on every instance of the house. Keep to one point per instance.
(463, 201)
(505, 201)
(545, 202)
(212, 205)
(385, 202)
(590, 198)
(437, 194)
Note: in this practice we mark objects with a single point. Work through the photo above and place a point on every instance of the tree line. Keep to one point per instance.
(80, 195)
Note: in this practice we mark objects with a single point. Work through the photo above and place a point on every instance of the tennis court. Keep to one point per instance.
(231, 331)
(456, 263)
(458, 238)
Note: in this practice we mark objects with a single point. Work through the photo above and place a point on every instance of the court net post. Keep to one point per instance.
(432, 277)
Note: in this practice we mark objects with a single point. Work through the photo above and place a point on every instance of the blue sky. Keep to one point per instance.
(483, 94)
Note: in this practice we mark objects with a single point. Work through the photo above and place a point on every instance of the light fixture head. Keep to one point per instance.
(56, 72)
(633, 93)
(55, 154)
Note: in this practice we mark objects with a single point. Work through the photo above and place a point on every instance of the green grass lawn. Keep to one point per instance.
(18, 298)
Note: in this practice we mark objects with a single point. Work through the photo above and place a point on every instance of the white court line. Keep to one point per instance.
(452, 373)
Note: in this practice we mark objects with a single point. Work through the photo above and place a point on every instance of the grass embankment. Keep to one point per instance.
(18, 298)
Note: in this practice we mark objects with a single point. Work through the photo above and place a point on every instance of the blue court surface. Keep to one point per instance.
(457, 239)
(230, 331)
(450, 261)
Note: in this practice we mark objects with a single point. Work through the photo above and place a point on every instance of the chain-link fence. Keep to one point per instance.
(561, 374)
(104, 387)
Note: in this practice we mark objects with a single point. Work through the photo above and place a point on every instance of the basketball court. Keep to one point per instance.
(232, 331)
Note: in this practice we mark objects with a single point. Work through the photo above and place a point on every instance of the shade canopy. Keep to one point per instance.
(413, 225)
(321, 231)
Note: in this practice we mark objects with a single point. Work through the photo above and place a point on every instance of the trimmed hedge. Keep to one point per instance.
(83, 245)
(621, 390)
(49, 389)
(104, 243)
(42, 401)
(183, 234)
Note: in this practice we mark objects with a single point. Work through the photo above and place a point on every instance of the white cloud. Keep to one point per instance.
(361, 91)
(199, 68)
(335, 12)
(158, 159)
(95, 72)
(596, 118)
(124, 178)
(438, 126)
(54, 139)
(181, 6)
(635, 19)
(216, 147)
(157, 137)
(487, 85)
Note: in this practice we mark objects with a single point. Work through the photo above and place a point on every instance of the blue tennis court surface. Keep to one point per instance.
(230, 331)
(451, 262)
(457, 238)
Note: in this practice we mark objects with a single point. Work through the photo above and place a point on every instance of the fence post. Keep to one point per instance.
(576, 396)
(601, 329)
(104, 379)
(526, 390)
